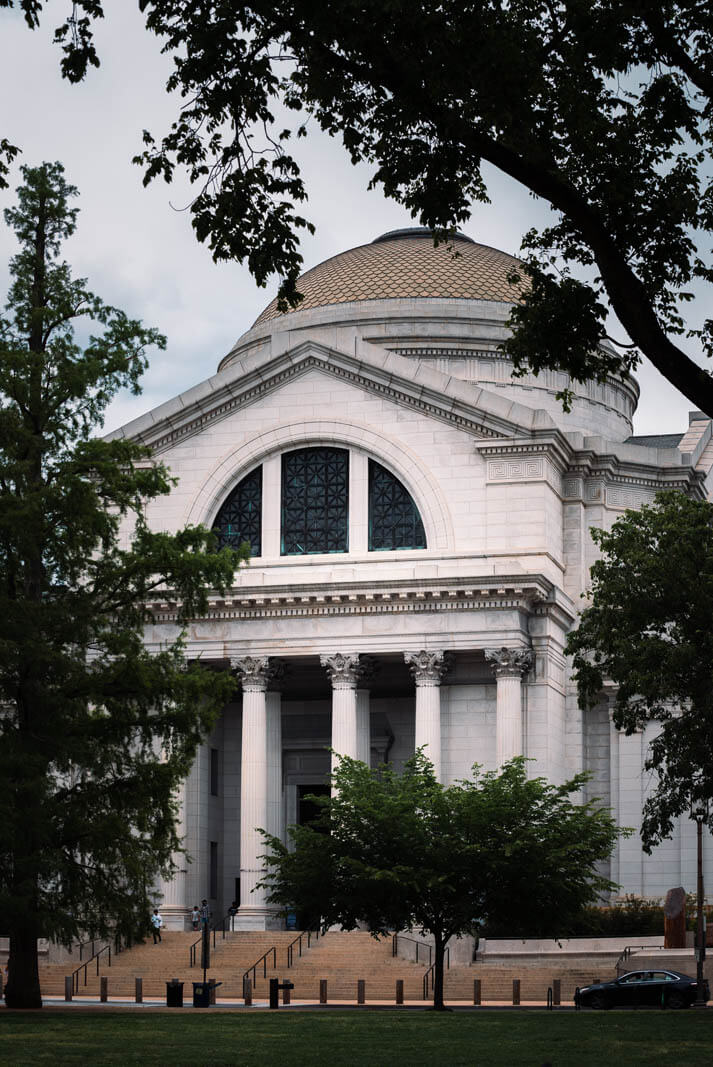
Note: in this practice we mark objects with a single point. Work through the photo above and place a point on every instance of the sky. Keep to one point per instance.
(136, 246)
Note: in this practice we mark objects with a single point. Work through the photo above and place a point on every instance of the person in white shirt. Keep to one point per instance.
(157, 923)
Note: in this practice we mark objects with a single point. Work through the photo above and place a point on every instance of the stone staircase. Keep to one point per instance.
(344, 958)
(340, 958)
(157, 964)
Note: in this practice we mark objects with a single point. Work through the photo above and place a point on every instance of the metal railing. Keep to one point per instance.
(428, 978)
(313, 932)
(263, 960)
(83, 967)
(421, 946)
(221, 925)
(631, 949)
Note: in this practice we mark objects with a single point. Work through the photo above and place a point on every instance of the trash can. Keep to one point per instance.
(204, 993)
(174, 994)
(201, 994)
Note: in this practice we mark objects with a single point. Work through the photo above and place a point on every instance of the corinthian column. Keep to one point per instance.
(343, 670)
(253, 673)
(427, 669)
(509, 665)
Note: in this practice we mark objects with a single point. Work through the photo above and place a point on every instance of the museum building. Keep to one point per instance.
(419, 525)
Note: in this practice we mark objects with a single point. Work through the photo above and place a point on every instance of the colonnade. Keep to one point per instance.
(350, 675)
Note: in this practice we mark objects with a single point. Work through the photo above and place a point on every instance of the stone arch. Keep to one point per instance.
(403, 461)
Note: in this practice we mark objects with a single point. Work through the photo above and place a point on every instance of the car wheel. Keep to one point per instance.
(598, 1001)
(675, 1000)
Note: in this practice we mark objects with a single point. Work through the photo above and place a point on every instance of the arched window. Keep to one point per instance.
(315, 501)
(394, 521)
(240, 515)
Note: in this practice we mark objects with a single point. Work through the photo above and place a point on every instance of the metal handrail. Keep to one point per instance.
(630, 949)
(428, 977)
(419, 945)
(312, 932)
(83, 967)
(263, 960)
(219, 924)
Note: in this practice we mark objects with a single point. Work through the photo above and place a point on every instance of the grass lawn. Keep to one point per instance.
(338, 1037)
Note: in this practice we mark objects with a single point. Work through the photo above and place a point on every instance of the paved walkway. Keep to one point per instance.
(159, 1004)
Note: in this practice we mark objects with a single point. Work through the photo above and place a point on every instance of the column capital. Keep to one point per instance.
(509, 662)
(428, 667)
(253, 671)
(343, 668)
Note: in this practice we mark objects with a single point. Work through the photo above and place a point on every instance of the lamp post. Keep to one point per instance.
(700, 814)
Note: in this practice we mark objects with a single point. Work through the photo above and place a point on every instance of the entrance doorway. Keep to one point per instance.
(308, 810)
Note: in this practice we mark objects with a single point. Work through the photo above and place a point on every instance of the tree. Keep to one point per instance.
(648, 634)
(602, 108)
(402, 851)
(96, 731)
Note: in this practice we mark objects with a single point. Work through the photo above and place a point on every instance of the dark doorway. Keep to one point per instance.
(308, 810)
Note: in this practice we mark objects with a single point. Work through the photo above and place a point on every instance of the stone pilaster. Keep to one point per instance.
(509, 665)
(174, 908)
(275, 821)
(428, 668)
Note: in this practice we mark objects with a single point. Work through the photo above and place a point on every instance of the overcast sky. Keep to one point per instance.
(138, 251)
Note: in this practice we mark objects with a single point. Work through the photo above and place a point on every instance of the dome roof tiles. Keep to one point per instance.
(407, 265)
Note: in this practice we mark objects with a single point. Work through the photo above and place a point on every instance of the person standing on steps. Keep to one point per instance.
(157, 923)
(195, 917)
(205, 913)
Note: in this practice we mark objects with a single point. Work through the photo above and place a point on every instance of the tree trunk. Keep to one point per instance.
(23, 983)
(440, 947)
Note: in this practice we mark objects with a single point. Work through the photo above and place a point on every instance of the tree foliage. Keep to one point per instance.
(600, 107)
(402, 851)
(96, 730)
(648, 634)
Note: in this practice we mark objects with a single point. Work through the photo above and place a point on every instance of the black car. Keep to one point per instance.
(659, 989)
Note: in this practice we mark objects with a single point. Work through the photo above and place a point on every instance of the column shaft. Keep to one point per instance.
(428, 722)
(508, 728)
(344, 723)
(253, 799)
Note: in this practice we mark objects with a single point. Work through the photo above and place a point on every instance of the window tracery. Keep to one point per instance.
(315, 501)
(394, 520)
(240, 515)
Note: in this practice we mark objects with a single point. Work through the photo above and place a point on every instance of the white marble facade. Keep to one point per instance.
(457, 646)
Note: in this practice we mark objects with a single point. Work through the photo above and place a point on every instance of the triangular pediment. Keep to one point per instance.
(404, 381)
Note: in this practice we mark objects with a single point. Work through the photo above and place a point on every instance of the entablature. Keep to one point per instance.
(522, 592)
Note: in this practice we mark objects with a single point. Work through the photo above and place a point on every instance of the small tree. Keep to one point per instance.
(649, 632)
(402, 851)
(96, 731)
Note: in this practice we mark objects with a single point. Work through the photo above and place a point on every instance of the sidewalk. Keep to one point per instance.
(159, 1004)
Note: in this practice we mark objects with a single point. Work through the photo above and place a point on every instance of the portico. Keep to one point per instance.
(290, 710)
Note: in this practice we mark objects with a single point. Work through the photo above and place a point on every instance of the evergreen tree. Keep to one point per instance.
(96, 730)
(402, 851)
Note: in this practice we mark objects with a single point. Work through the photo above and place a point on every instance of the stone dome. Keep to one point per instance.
(406, 264)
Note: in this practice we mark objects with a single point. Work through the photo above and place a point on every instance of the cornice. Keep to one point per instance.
(586, 474)
(521, 592)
